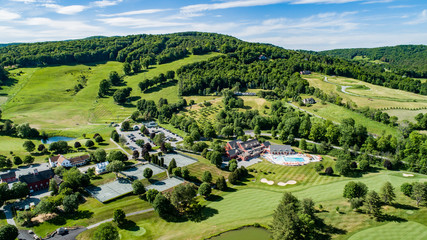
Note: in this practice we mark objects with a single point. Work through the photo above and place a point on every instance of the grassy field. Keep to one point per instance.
(44, 97)
(336, 113)
(13, 144)
(394, 231)
(92, 211)
(230, 209)
(408, 115)
(366, 94)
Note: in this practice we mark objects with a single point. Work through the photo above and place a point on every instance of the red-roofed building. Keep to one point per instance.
(7, 177)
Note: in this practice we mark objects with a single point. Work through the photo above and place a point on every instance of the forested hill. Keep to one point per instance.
(407, 59)
(154, 48)
(248, 64)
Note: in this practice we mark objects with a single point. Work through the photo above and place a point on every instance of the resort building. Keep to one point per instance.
(279, 149)
(38, 180)
(7, 177)
(244, 150)
(60, 160)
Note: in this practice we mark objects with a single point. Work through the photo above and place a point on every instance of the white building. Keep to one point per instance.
(60, 160)
(101, 168)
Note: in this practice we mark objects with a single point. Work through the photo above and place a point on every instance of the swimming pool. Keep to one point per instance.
(284, 160)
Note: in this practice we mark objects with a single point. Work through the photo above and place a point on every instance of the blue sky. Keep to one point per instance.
(292, 24)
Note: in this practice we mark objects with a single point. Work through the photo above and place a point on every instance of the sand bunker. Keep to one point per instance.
(408, 175)
(286, 183)
(264, 180)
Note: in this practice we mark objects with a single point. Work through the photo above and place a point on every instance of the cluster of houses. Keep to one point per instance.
(39, 180)
(245, 150)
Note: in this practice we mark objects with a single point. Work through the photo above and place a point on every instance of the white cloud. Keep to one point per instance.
(323, 22)
(402, 6)
(251, 3)
(67, 10)
(319, 42)
(64, 25)
(421, 18)
(6, 15)
(138, 22)
(378, 1)
(224, 5)
(137, 12)
(106, 3)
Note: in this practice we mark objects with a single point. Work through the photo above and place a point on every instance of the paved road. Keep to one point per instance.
(71, 235)
(9, 216)
(128, 154)
(127, 215)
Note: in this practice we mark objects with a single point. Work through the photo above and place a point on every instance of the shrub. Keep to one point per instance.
(205, 189)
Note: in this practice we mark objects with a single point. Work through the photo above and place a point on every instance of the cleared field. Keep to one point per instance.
(366, 94)
(256, 103)
(394, 231)
(408, 115)
(44, 97)
(336, 113)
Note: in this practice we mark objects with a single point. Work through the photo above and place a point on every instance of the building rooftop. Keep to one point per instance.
(7, 175)
(37, 176)
(281, 148)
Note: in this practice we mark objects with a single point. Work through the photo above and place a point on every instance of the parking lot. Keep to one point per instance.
(133, 136)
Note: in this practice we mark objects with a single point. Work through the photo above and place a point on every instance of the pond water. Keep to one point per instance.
(56, 139)
(247, 233)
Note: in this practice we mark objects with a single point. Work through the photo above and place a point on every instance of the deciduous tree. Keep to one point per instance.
(106, 231)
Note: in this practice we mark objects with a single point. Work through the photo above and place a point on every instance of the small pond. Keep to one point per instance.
(56, 139)
(247, 233)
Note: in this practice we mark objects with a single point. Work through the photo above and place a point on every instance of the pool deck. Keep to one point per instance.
(306, 159)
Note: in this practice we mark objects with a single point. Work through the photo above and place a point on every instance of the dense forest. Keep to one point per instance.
(242, 67)
(156, 48)
(410, 60)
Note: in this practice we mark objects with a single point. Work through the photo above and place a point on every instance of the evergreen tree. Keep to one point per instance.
(387, 193)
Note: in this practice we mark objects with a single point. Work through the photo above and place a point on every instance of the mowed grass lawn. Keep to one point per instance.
(374, 97)
(92, 211)
(337, 114)
(248, 205)
(44, 97)
(393, 231)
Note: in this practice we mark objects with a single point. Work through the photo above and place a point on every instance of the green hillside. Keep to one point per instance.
(407, 59)
(45, 98)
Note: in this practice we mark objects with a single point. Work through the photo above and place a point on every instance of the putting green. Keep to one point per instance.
(393, 230)
(132, 232)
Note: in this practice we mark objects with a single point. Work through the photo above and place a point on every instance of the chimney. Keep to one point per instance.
(36, 172)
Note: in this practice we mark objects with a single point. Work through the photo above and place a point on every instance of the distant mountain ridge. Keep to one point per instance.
(408, 59)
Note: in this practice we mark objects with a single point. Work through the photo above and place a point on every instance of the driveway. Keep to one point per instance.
(71, 235)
